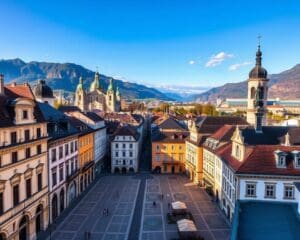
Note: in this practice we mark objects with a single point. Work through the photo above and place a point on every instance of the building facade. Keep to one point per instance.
(23, 164)
(96, 98)
(168, 147)
(62, 160)
(125, 151)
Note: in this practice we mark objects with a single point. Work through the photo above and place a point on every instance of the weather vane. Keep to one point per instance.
(259, 39)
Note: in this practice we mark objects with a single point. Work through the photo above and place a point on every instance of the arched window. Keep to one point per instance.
(252, 92)
(24, 228)
(62, 200)
(54, 207)
(39, 219)
(2, 236)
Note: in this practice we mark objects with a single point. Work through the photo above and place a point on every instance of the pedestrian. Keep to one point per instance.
(162, 197)
(154, 203)
(169, 205)
(86, 235)
(89, 235)
(106, 211)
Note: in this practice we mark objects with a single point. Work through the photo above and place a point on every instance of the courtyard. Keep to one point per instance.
(120, 195)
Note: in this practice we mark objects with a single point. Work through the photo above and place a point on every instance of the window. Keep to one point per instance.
(61, 152)
(130, 145)
(130, 162)
(298, 162)
(38, 132)
(66, 149)
(1, 203)
(157, 147)
(172, 147)
(13, 137)
(54, 177)
(16, 195)
(14, 157)
(72, 147)
(27, 135)
(38, 149)
(67, 168)
(281, 161)
(75, 144)
(130, 154)
(288, 192)
(157, 157)
(39, 182)
(124, 145)
(117, 154)
(251, 190)
(237, 151)
(180, 147)
(124, 162)
(124, 154)
(25, 114)
(28, 188)
(53, 155)
(61, 172)
(117, 145)
(27, 153)
(270, 191)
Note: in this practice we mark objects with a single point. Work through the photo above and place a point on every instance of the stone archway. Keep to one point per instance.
(24, 228)
(3, 236)
(124, 170)
(54, 205)
(62, 200)
(72, 192)
(131, 170)
(117, 170)
(39, 219)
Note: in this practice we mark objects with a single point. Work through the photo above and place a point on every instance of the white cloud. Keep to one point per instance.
(237, 66)
(192, 62)
(218, 59)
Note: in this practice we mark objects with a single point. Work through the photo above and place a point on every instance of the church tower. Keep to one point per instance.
(257, 94)
(80, 96)
(96, 83)
(111, 97)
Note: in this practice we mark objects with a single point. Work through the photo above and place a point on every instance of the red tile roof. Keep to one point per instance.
(20, 90)
(261, 160)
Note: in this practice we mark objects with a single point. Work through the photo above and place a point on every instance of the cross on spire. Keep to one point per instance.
(259, 39)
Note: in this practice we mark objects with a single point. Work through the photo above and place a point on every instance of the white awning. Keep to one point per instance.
(185, 225)
(178, 205)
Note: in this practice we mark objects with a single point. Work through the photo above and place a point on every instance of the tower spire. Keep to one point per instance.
(258, 53)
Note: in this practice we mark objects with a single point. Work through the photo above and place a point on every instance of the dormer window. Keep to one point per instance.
(280, 158)
(296, 158)
(25, 114)
(237, 151)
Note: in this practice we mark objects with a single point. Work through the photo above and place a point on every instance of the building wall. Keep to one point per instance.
(18, 173)
(124, 154)
(86, 160)
(194, 162)
(63, 162)
(261, 188)
(168, 156)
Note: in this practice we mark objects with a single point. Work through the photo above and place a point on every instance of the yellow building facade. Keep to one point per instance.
(86, 159)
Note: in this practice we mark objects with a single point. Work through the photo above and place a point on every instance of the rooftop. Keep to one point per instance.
(268, 221)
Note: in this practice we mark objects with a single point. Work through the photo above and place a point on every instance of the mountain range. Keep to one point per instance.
(284, 85)
(66, 76)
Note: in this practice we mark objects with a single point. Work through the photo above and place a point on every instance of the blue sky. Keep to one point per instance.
(157, 42)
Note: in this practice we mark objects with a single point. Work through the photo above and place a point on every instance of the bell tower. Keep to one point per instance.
(80, 96)
(257, 94)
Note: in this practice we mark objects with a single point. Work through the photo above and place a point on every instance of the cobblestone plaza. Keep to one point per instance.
(119, 194)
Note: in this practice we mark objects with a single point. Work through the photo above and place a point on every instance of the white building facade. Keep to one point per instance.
(125, 150)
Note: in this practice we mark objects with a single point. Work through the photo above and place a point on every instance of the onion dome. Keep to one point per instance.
(96, 83)
(80, 85)
(258, 71)
(42, 90)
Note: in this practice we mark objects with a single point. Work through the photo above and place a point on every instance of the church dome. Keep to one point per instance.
(258, 71)
(42, 90)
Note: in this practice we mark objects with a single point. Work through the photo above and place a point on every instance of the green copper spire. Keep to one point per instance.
(111, 85)
(118, 92)
(80, 84)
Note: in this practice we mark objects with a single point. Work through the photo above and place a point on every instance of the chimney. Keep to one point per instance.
(1, 84)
